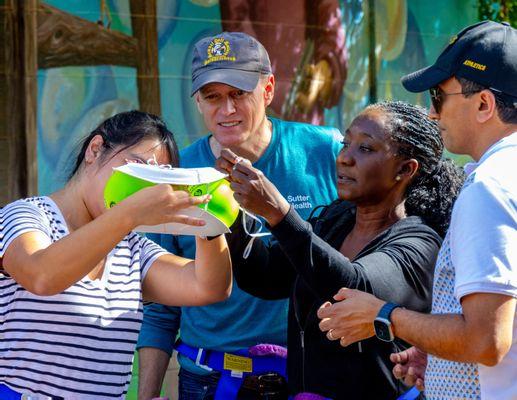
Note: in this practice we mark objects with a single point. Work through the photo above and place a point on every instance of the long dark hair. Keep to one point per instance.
(434, 189)
(126, 129)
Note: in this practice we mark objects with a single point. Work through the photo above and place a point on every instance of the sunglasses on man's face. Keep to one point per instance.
(438, 97)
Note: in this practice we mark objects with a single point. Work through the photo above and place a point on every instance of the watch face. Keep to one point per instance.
(383, 330)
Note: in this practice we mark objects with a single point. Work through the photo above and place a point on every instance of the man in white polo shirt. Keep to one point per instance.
(471, 335)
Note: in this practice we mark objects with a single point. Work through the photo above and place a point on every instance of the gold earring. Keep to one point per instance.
(398, 178)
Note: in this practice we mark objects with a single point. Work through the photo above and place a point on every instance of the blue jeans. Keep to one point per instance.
(197, 387)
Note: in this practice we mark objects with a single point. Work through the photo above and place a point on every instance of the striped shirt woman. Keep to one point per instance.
(72, 279)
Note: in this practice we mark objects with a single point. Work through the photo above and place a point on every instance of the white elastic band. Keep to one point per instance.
(206, 192)
(153, 161)
(253, 235)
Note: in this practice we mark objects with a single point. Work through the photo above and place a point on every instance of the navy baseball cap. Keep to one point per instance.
(233, 58)
(485, 53)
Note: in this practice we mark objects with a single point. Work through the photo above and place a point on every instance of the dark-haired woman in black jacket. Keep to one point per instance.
(381, 237)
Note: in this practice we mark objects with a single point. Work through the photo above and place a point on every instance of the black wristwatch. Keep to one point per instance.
(382, 323)
(209, 237)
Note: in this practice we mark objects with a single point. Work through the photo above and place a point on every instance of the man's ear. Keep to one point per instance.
(407, 170)
(269, 90)
(94, 149)
(486, 106)
(197, 102)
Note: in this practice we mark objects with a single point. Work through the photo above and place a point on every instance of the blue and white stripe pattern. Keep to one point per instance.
(78, 344)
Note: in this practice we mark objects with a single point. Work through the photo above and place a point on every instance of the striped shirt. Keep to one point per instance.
(78, 344)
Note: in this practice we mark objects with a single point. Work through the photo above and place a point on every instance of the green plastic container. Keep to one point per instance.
(222, 205)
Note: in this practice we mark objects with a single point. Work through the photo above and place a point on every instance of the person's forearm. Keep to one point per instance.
(213, 268)
(51, 270)
(443, 335)
(152, 365)
(324, 269)
(266, 273)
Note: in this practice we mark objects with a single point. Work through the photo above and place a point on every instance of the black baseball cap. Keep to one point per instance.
(485, 53)
(233, 58)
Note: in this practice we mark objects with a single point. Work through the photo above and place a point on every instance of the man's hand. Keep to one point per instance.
(351, 318)
(410, 366)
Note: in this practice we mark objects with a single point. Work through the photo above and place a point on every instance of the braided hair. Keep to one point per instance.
(438, 181)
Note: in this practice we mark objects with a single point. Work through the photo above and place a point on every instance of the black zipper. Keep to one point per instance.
(302, 337)
(302, 331)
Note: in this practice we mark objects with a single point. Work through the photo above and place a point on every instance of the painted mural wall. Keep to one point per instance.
(327, 40)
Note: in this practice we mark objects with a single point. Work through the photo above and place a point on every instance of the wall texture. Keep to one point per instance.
(408, 35)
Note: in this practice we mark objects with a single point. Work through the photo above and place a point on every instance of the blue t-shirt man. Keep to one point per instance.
(300, 160)
(233, 84)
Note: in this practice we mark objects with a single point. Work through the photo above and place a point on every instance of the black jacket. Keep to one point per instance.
(306, 266)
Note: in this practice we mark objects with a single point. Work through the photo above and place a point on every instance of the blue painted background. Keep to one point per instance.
(73, 100)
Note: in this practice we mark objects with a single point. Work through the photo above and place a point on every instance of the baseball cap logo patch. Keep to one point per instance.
(472, 64)
(218, 50)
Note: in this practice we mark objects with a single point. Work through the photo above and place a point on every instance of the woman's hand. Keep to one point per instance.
(161, 204)
(252, 189)
(37, 264)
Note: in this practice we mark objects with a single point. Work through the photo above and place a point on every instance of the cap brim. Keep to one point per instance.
(244, 80)
(424, 79)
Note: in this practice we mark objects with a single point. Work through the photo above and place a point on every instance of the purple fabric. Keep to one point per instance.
(265, 349)
(309, 396)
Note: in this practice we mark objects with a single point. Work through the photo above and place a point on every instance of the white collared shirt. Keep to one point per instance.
(479, 255)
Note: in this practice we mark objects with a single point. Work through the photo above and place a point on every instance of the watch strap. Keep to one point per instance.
(386, 310)
(209, 237)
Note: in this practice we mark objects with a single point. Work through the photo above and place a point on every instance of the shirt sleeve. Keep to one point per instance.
(266, 272)
(18, 218)
(484, 240)
(149, 252)
(159, 327)
(400, 271)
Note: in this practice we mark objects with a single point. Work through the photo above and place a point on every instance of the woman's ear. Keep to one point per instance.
(407, 170)
(94, 149)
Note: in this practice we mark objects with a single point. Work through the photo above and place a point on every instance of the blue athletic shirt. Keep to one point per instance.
(301, 162)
